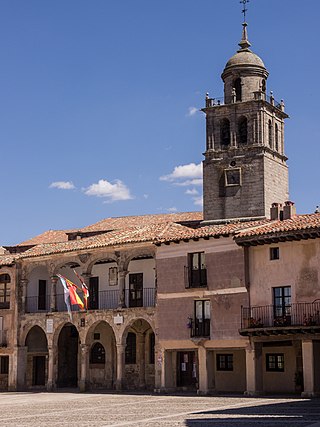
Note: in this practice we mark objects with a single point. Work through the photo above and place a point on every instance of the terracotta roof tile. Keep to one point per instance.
(50, 236)
(297, 223)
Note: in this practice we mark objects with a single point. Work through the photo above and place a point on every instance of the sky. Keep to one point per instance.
(100, 100)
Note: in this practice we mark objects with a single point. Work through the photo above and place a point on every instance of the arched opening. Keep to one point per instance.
(102, 356)
(37, 355)
(263, 85)
(5, 288)
(238, 89)
(243, 130)
(139, 369)
(225, 132)
(276, 137)
(270, 133)
(68, 345)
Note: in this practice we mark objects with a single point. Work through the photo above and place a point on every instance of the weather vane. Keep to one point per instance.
(244, 10)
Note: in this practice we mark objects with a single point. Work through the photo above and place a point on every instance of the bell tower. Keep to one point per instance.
(244, 170)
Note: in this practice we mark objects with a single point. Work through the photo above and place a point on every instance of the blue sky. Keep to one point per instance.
(99, 103)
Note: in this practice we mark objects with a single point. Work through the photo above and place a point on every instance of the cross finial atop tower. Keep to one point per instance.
(244, 10)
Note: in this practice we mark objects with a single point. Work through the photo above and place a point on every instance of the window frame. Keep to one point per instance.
(274, 253)
(278, 362)
(5, 292)
(197, 270)
(224, 362)
(4, 365)
(97, 354)
(202, 318)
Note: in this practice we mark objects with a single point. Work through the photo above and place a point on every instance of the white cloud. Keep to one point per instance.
(192, 111)
(173, 209)
(197, 181)
(184, 172)
(62, 185)
(111, 191)
(146, 196)
(198, 201)
(192, 192)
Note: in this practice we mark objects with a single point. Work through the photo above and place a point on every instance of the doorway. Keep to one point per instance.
(186, 369)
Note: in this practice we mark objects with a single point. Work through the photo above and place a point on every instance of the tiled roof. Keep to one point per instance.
(153, 233)
(7, 259)
(131, 221)
(295, 225)
(50, 236)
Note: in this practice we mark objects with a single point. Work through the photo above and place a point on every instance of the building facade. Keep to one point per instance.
(223, 301)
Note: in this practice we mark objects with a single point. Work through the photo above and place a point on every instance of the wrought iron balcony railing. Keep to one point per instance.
(199, 328)
(103, 300)
(270, 316)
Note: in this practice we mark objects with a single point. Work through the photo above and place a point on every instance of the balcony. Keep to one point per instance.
(265, 320)
(3, 338)
(199, 328)
(103, 300)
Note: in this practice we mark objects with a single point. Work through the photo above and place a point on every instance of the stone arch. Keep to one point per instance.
(139, 371)
(243, 130)
(101, 374)
(68, 355)
(225, 134)
(36, 344)
(237, 84)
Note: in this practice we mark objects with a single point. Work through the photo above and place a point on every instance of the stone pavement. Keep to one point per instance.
(115, 410)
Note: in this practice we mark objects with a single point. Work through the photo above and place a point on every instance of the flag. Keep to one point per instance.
(66, 294)
(85, 289)
(72, 290)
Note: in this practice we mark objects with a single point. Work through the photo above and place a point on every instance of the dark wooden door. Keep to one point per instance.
(93, 303)
(39, 370)
(186, 372)
(136, 290)
(42, 294)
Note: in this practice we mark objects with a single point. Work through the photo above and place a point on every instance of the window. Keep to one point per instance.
(130, 352)
(42, 293)
(201, 327)
(136, 290)
(243, 130)
(4, 364)
(275, 362)
(238, 88)
(113, 276)
(270, 133)
(197, 271)
(263, 85)
(274, 253)
(225, 132)
(97, 354)
(276, 137)
(5, 290)
(224, 362)
(151, 348)
(282, 305)
(232, 177)
(93, 302)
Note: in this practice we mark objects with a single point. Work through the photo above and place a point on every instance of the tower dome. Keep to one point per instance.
(244, 73)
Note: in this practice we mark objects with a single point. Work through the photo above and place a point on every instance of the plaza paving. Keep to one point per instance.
(111, 410)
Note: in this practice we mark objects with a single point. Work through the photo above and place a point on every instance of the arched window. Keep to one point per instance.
(276, 137)
(270, 133)
(97, 354)
(225, 132)
(130, 352)
(263, 85)
(243, 130)
(238, 88)
(5, 290)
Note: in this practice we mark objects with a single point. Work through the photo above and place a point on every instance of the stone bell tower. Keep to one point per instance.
(245, 169)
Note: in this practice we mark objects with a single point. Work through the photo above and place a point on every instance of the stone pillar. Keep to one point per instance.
(83, 382)
(203, 372)
(122, 286)
(17, 369)
(53, 295)
(254, 370)
(308, 368)
(23, 284)
(141, 359)
(50, 380)
(158, 359)
(120, 366)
